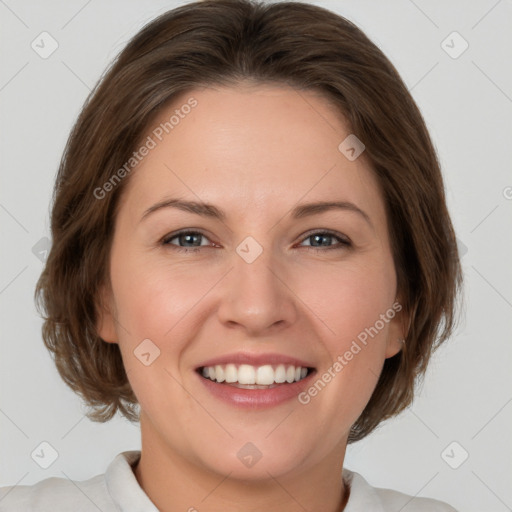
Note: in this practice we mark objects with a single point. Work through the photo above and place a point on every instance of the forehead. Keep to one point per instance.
(250, 146)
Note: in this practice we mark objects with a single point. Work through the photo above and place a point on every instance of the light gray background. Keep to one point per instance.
(467, 104)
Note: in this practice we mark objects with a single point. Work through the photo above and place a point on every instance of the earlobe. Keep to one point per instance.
(105, 324)
(394, 346)
(396, 335)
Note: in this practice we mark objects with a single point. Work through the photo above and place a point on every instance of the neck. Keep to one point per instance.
(175, 483)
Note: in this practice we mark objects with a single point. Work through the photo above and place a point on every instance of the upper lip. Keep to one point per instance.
(255, 360)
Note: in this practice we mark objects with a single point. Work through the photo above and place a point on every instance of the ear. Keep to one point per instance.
(396, 331)
(105, 321)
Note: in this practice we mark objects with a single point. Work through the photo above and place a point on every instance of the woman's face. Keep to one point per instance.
(260, 285)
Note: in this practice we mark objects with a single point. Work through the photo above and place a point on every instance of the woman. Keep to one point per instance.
(252, 256)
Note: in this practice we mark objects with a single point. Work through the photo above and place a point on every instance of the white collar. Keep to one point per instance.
(128, 495)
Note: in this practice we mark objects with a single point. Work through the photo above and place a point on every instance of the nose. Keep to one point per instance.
(257, 297)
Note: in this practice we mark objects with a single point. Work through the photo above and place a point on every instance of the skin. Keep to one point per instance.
(255, 151)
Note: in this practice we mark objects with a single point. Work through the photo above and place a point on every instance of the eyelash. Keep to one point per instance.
(344, 242)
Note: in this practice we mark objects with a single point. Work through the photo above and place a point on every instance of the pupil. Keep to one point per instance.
(187, 238)
(316, 237)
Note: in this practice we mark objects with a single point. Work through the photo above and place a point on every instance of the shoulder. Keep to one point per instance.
(363, 497)
(54, 494)
(117, 489)
(395, 500)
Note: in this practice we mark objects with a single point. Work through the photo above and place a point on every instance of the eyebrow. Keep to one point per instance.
(211, 211)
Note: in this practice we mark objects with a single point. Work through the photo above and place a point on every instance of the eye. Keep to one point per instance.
(320, 237)
(185, 237)
(190, 241)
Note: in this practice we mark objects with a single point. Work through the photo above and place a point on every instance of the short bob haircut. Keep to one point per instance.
(229, 42)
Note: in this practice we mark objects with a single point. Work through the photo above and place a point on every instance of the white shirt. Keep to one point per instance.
(119, 491)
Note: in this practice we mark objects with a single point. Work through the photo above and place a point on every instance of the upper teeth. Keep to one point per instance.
(247, 374)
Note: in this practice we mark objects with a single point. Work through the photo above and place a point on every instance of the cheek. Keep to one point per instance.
(348, 298)
(152, 296)
(154, 303)
(354, 306)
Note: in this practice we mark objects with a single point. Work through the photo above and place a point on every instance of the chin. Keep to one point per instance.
(254, 461)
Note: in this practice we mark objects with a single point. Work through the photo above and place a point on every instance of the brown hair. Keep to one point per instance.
(225, 42)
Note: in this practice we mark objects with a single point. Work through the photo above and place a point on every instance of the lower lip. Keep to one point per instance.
(256, 398)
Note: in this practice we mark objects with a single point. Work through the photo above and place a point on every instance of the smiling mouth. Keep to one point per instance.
(245, 376)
